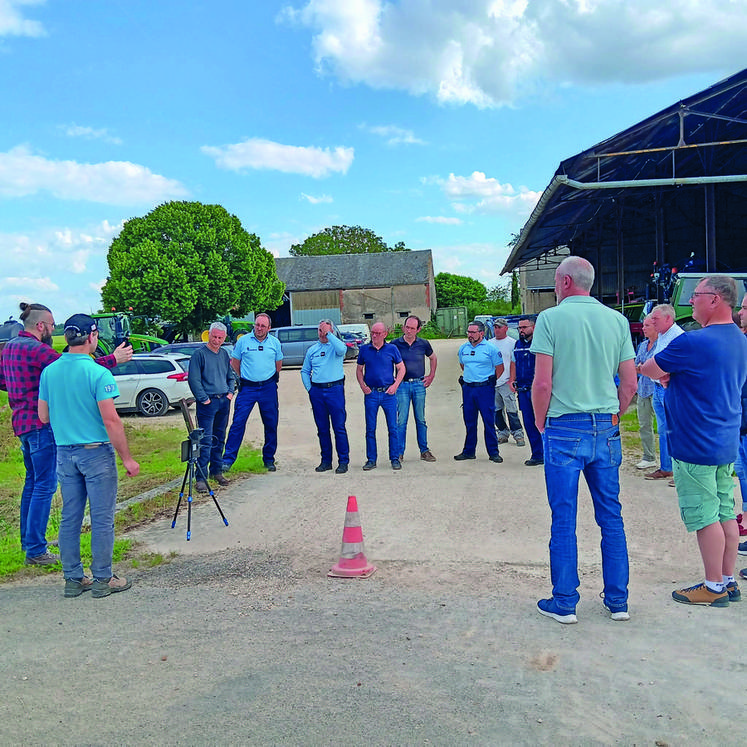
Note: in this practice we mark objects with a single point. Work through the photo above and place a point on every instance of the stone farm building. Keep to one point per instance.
(353, 288)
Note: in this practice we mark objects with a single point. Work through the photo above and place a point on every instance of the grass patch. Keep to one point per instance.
(155, 445)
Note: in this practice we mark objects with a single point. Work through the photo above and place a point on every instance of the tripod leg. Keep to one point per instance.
(220, 511)
(181, 495)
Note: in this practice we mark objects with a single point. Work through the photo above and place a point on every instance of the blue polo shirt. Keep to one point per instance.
(323, 362)
(414, 356)
(703, 401)
(257, 357)
(379, 364)
(72, 387)
(479, 361)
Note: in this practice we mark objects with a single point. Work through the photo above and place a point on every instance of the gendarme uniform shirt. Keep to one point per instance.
(257, 357)
(323, 362)
(479, 361)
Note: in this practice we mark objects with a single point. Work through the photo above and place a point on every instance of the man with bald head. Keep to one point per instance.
(379, 372)
(580, 345)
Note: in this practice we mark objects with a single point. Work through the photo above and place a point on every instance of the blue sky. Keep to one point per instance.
(433, 122)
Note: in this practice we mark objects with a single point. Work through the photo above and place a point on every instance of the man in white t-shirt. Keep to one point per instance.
(505, 399)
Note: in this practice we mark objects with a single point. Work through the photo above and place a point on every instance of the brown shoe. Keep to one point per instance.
(113, 585)
(220, 479)
(660, 474)
(46, 558)
(701, 594)
(201, 486)
(426, 456)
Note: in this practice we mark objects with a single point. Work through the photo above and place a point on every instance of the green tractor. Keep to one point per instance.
(114, 329)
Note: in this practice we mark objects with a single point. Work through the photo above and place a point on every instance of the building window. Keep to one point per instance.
(368, 316)
(403, 314)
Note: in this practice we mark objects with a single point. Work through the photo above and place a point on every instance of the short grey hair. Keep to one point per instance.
(579, 270)
(725, 286)
(327, 321)
(218, 325)
(664, 309)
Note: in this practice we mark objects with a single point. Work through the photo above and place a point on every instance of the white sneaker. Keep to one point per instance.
(645, 464)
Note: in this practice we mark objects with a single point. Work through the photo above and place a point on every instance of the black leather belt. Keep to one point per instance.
(246, 382)
(489, 382)
(413, 378)
(327, 384)
(217, 396)
(379, 388)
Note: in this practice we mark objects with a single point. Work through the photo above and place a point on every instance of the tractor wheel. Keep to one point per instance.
(152, 402)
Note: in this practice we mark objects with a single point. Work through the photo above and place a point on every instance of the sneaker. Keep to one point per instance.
(671, 484)
(46, 558)
(220, 479)
(520, 442)
(369, 465)
(743, 573)
(619, 614)
(201, 487)
(534, 462)
(549, 608)
(742, 549)
(502, 439)
(701, 594)
(74, 587)
(341, 469)
(461, 457)
(645, 464)
(323, 467)
(396, 464)
(426, 456)
(497, 458)
(733, 591)
(112, 585)
(660, 474)
(270, 467)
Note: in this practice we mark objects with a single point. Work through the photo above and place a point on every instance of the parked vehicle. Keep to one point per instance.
(685, 284)
(9, 330)
(150, 383)
(354, 342)
(361, 329)
(187, 348)
(295, 341)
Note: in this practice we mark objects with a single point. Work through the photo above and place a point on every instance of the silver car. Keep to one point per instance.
(150, 383)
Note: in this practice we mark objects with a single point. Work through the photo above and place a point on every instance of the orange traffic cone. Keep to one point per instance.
(352, 563)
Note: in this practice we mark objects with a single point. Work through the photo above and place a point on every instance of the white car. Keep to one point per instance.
(150, 383)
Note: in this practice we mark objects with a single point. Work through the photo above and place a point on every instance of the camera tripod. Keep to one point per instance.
(190, 455)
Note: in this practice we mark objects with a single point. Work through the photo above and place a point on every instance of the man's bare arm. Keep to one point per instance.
(628, 384)
(115, 431)
(542, 389)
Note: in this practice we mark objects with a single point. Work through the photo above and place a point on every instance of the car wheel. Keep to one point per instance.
(152, 402)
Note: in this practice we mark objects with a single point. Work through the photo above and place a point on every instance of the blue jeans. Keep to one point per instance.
(213, 418)
(534, 436)
(479, 399)
(412, 391)
(740, 467)
(40, 460)
(665, 460)
(328, 407)
(87, 474)
(388, 403)
(266, 397)
(589, 444)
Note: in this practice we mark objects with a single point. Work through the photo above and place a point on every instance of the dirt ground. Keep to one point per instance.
(243, 639)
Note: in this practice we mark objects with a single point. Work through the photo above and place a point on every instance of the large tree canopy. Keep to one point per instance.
(458, 290)
(189, 263)
(344, 240)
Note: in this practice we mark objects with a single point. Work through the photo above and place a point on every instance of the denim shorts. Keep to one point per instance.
(705, 493)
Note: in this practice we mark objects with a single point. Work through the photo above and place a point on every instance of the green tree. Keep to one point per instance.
(190, 263)
(458, 290)
(515, 294)
(344, 240)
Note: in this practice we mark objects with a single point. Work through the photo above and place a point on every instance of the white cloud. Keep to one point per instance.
(256, 153)
(42, 284)
(12, 22)
(443, 220)
(394, 135)
(23, 173)
(90, 133)
(492, 52)
(316, 200)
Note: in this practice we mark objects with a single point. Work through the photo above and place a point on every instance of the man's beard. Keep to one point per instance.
(47, 339)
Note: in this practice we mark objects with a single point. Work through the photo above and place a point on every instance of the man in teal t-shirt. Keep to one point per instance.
(579, 346)
(76, 396)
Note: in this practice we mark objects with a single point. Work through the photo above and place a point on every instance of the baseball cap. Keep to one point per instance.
(500, 322)
(81, 324)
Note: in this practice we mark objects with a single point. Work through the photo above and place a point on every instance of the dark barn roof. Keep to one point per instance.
(671, 185)
(336, 271)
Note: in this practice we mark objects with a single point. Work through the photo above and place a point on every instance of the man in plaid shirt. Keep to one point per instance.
(21, 363)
